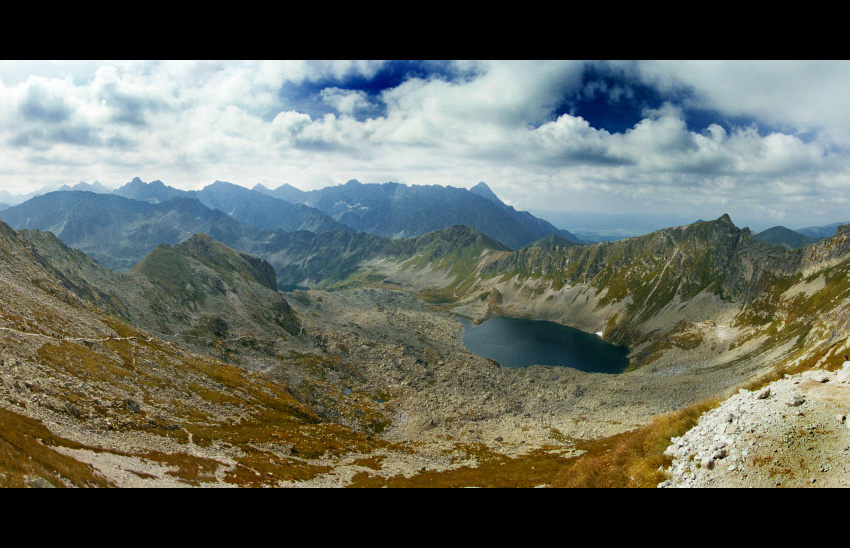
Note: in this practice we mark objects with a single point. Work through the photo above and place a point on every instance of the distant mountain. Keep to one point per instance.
(264, 212)
(329, 259)
(779, 235)
(86, 187)
(154, 192)
(481, 189)
(118, 232)
(13, 199)
(123, 234)
(553, 241)
(286, 192)
(4, 206)
(395, 210)
(826, 231)
(249, 207)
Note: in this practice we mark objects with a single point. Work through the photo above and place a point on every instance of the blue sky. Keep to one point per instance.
(765, 141)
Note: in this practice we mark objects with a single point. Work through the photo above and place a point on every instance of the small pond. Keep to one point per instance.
(514, 342)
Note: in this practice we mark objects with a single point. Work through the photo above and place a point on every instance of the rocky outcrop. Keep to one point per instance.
(792, 433)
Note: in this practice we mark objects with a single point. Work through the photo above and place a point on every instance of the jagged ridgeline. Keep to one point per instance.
(248, 207)
(395, 210)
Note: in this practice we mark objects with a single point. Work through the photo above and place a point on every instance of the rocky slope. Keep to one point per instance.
(792, 433)
(200, 291)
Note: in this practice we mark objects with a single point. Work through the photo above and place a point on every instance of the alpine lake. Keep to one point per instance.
(514, 342)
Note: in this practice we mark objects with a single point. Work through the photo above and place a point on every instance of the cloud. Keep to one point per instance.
(347, 102)
(40, 103)
(767, 133)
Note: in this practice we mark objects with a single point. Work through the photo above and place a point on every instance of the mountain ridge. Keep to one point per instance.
(396, 210)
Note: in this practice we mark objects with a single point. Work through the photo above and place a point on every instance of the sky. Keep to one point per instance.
(766, 141)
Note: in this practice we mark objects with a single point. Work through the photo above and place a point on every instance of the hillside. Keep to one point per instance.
(336, 260)
(114, 406)
(199, 292)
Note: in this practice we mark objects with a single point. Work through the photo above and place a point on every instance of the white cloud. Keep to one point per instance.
(347, 102)
(194, 122)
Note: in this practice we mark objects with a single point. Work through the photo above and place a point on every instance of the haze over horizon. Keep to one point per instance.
(765, 141)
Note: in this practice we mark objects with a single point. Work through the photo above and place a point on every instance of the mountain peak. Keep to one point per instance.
(481, 189)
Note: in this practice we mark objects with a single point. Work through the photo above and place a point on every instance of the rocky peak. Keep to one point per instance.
(213, 253)
(481, 189)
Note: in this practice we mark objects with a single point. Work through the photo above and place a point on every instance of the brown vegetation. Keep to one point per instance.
(631, 459)
(25, 454)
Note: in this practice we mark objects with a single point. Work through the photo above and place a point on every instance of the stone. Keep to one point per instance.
(72, 409)
(36, 482)
(132, 405)
(764, 394)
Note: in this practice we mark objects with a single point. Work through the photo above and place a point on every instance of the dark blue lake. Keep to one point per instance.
(515, 343)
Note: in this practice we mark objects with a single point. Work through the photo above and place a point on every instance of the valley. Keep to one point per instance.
(187, 367)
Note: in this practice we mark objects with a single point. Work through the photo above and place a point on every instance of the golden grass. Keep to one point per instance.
(538, 467)
(24, 452)
(631, 459)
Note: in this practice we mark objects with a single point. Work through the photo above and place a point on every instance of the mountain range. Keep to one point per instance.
(394, 210)
(119, 229)
(146, 336)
